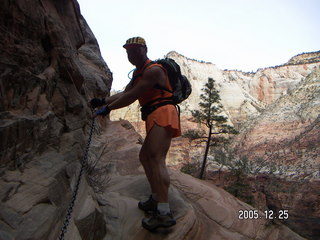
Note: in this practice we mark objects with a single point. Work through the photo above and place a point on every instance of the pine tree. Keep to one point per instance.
(210, 114)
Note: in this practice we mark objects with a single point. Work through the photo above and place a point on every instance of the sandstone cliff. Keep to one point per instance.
(46, 78)
(50, 67)
(244, 94)
(288, 130)
(305, 58)
(286, 135)
(50, 64)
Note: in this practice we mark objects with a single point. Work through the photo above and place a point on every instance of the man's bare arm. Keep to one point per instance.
(150, 78)
(109, 100)
(112, 98)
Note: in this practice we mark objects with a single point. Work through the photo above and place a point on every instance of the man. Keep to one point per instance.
(162, 124)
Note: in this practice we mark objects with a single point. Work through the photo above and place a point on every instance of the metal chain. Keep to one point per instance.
(75, 192)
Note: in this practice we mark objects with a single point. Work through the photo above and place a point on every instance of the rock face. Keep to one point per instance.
(243, 95)
(305, 58)
(287, 135)
(289, 129)
(50, 67)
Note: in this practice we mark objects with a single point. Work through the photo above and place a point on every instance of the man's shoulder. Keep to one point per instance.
(155, 71)
(155, 68)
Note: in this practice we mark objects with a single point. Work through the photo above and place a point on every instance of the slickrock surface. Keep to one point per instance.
(203, 211)
(33, 206)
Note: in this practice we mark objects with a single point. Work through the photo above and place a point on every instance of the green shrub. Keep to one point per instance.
(242, 191)
(190, 168)
(193, 134)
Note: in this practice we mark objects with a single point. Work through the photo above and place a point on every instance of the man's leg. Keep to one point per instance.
(157, 144)
(150, 204)
(143, 156)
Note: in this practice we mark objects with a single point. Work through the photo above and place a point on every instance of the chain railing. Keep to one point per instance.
(75, 191)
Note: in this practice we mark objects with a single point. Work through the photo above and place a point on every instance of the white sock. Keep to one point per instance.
(163, 208)
(154, 196)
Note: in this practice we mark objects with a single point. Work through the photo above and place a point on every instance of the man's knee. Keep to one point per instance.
(156, 158)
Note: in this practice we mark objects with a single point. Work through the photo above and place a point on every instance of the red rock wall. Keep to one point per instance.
(50, 66)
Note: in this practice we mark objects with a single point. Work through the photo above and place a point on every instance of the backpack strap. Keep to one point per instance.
(147, 109)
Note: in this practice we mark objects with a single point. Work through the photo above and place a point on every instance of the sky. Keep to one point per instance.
(233, 34)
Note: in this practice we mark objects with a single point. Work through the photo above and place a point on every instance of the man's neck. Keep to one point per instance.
(140, 65)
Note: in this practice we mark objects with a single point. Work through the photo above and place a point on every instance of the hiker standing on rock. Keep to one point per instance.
(150, 84)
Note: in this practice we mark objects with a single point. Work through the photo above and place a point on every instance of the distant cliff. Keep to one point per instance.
(288, 130)
(305, 58)
(243, 94)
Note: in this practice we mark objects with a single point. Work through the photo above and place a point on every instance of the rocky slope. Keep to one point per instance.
(305, 58)
(50, 67)
(289, 129)
(286, 136)
(203, 211)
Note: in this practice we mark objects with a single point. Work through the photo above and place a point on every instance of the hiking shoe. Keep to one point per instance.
(148, 206)
(157, 220)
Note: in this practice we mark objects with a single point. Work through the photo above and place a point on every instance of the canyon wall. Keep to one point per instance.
(50, 65)
(46, 79)
(288, 131)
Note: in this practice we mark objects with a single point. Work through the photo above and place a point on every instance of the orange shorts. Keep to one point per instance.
(165, 116)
